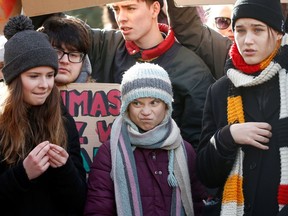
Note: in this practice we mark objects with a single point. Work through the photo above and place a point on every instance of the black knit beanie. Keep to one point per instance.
(266, 11)
(25, 48)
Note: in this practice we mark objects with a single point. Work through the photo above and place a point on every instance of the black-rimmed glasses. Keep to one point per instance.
(73, 57)
(222, 22)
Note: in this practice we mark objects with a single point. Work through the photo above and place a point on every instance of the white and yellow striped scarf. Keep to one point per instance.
(233, 197)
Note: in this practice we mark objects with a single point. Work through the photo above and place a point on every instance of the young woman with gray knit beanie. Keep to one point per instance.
(41, 170)
(146, 168)
(244, 142)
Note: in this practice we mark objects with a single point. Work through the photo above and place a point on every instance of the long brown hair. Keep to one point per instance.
(23, 126)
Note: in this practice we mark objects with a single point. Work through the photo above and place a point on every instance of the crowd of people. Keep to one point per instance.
(203, 123)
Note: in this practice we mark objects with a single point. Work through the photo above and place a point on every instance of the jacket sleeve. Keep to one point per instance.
(104, 44)
(191, 80)
(208, 44)
(217, 150)
(14, 182)
(70, 179)
(100, 198)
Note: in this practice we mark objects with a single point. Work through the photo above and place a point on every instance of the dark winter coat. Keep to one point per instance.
(152, 171)
(261, 169)
(211, 46)
(57, 192)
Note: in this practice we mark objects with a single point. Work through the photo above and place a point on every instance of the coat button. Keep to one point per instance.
(153, 156)
(252, 166)
(156, 172)
(160, 172)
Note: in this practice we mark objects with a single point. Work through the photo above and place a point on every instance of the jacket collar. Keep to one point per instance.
(155, 52)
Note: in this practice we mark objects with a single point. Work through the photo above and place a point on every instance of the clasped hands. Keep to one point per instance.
(42, 157)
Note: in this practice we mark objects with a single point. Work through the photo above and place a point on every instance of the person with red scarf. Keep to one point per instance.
(142, 39)
(243, 145)
(244, 140)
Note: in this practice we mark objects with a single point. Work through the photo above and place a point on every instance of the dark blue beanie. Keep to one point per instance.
(25, 48)
(266, 11)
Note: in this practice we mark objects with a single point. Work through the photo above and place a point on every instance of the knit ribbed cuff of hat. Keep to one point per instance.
(41, 57)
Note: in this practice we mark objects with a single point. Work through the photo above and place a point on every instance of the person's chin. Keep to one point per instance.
(37, 102)
(62, 81)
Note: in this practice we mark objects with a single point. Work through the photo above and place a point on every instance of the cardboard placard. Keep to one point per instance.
(207, 2)
(40, 7)
(8, 8)
(94, 106)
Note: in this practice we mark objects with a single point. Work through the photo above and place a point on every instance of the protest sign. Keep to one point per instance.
(40, 7)
(94, 106)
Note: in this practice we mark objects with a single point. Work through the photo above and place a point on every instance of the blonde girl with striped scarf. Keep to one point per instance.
(244, 143)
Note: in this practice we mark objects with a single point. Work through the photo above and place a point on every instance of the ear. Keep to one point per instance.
(155, 8)
(279, 36)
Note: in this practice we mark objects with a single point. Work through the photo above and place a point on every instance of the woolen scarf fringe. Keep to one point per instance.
(124, 138)
(233, 198)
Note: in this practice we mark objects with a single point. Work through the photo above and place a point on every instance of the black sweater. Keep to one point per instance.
(60, 191)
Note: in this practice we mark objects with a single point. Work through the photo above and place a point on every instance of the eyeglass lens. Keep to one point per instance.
(74, 57)
(222, 22)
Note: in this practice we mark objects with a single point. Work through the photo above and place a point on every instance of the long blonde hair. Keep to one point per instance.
(23, 126)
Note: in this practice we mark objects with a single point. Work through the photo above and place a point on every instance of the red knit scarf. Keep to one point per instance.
(150, 54)
(241, 65)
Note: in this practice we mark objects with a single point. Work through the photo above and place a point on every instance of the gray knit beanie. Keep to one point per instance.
(25, 48)
(146, 80)
(267, 11)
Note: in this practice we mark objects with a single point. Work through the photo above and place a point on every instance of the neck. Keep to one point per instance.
(151, 40)
(160, 46)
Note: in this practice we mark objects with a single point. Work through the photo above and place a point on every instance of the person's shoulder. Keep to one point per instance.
(219, 89)
(104, 148)
(188, 59)
(191, 57)
(103, 155)
(222, 82)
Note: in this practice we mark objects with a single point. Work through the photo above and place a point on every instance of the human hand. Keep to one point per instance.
(252, 133)
(37, 161)
(57, 156)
